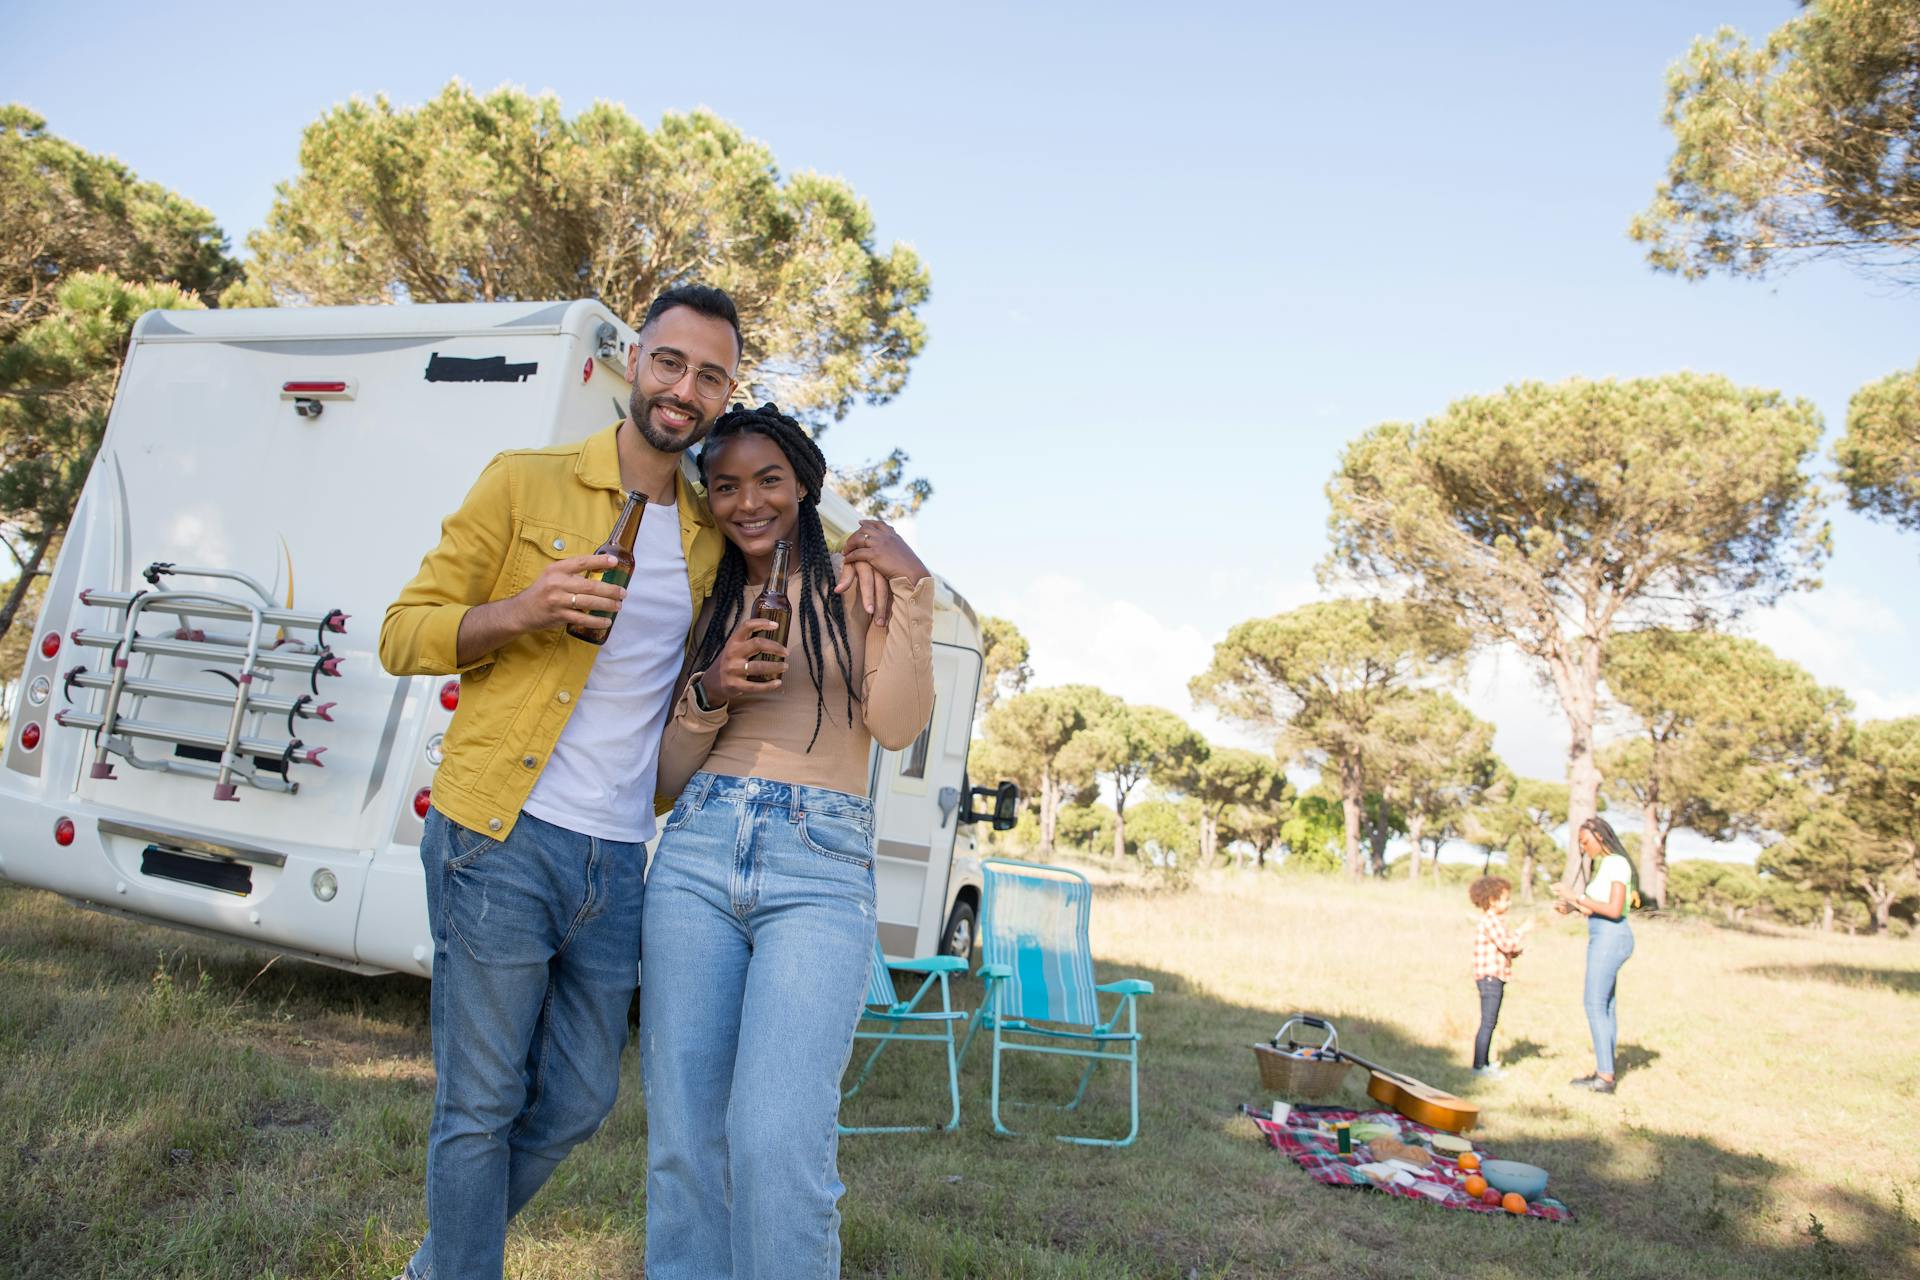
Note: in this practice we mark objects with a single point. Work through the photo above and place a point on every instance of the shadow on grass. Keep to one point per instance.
(1904, 981)
(1634, 1057)
(303, 1107)
(1521, 1050)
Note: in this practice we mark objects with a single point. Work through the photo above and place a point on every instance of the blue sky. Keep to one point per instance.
(1180, 255)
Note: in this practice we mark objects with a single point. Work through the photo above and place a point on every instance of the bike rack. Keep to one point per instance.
(243, 752)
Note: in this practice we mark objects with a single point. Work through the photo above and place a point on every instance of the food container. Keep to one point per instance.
(1510, 1175)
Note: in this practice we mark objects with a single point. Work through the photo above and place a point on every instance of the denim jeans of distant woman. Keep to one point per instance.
(760, 927)
(536, 949)
(1609, 943)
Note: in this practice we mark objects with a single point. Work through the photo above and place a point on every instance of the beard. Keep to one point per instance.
(641, 411)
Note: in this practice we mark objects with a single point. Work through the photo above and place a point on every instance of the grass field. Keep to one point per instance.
(168, 1108)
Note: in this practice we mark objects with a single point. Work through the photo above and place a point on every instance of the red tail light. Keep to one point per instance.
(450, 694)
(49, 644)
(30, 736)
(312, 388)
(422, 801)
(63, 832)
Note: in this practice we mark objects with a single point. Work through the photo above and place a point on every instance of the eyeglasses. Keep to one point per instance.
(671, 366)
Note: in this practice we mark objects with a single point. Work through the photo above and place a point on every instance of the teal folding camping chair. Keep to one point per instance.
(884, 1005)
(1038, 969)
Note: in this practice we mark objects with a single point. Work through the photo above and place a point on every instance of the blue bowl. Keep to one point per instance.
(1510, 1175)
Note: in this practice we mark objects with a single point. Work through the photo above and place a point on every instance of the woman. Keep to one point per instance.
(759, 906)
(1606, 903)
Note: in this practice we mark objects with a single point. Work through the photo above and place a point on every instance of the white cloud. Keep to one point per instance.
(1079, 636)
(1844, 638)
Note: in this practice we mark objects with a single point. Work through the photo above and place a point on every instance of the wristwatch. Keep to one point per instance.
(700, 695)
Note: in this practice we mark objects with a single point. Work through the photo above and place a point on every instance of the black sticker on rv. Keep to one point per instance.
(483, 369)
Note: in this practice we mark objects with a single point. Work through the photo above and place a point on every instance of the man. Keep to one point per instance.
(533, 850)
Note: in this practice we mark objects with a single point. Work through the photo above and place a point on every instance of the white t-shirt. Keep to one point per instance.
(599, 780)
(1612, 870)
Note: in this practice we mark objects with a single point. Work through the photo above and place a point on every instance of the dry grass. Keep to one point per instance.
(172, 1111)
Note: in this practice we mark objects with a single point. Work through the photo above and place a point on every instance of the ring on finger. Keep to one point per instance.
(573, 601)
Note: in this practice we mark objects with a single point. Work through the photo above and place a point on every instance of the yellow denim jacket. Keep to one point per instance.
(527, 509)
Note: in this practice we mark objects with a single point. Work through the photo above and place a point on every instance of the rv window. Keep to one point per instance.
(913, 761)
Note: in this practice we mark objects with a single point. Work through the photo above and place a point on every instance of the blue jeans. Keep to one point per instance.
(1609, 943)
(1492, 992)
(760, 920)
(536, 949)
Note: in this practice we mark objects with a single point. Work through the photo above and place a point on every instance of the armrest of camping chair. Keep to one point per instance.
(930, 964)
(995, 971)
(1128, 987)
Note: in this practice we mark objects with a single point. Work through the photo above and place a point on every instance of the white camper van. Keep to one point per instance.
(203, 736)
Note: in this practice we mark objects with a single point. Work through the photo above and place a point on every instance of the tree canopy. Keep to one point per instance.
(1879, 456)
(1316, 679)
(1725, 729)
(65, 212)
(497, 197)
(1552, 515)
(1801, 147)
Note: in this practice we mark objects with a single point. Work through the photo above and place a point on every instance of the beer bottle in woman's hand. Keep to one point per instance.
(772, 604)
(619, 545)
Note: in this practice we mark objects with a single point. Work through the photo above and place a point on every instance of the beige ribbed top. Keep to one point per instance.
(767, 736)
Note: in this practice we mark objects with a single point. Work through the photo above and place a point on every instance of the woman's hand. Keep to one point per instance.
(728, 677)
(876, 543)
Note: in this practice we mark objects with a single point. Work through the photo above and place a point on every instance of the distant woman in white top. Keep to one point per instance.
(1606, 903)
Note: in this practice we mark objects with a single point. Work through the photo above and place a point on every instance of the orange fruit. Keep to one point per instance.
(1469, 1161)
(1475, 1186)
(1514, 1202)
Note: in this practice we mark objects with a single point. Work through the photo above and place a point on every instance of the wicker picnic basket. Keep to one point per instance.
(1289, 1076)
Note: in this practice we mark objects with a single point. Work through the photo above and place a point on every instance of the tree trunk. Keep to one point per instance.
(1578, 681)
(1653, 852)
(1416, 827)
(1526, 876)
(1119, 830)
(1352, 798)
(1826, 913)
(1879, 897)
(1049, 803)
(1377, 837)
(28, 572)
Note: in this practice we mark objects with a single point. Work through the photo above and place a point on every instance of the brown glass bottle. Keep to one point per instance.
(772, 603)
(619, 545)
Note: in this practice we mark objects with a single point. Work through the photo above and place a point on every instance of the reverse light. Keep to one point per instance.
(325, 885)
(63, 832)
(450, 694)
(436, 749)
(422, 801)
(39, 691)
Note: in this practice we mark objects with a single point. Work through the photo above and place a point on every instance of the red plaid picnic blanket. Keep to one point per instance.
(1301, 1140)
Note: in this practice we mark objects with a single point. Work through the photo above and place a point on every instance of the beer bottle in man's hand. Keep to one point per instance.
(619, 545)
(772, 603)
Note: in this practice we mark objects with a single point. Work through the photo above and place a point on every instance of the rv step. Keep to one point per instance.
(332, 621)
(303, 707)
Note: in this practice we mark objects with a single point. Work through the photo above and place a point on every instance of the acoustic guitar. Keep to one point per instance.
(1415, 1100)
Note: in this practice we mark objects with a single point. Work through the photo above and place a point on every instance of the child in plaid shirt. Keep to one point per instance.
(1494, 947)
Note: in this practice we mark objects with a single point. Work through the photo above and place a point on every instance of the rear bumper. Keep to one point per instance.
(267, 894)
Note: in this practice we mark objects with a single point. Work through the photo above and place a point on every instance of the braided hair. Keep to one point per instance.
(1602, 830)
(821, 627)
